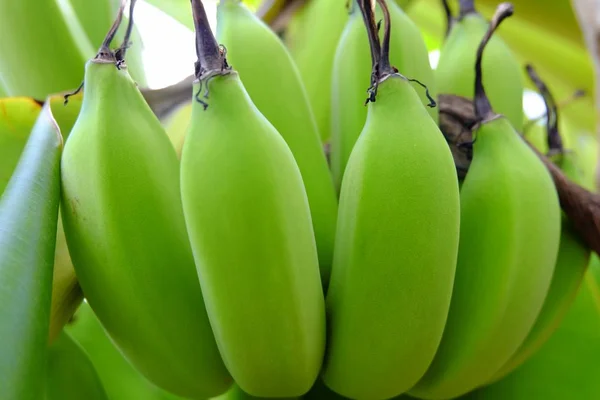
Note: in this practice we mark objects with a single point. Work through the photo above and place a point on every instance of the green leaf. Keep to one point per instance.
(70, 375)
(28, 224)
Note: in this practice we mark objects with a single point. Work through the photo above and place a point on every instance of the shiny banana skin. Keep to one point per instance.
(249, 223)
(285, 104)
(351, 72)
(28, 218)
(126, 234)
(312, 36)
(503, 78)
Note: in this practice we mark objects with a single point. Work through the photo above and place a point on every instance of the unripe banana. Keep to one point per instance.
(286, 106)
(455, 73)
(28, 217)
(509, 238)
(388, 298)
(70, 375)
(248, 218)
(351, 73)
(312, 36)
(119, 378)
(236, 393)
(573, 255)
(17, 120)
(38, 60)
(566, 367)
(126, 234)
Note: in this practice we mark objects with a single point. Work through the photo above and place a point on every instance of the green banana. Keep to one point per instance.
(177, 125)
(119, 378)
(28, 217)
(236, 393)
(126, 233)
(509, 238)
(70, 375)
(566, 367)
(17, 120)
(503, 79)
(388, 301)
(573, 255)
(248, 218)
(37, 60)
(312, 36)
(245, 36)
(351, 71)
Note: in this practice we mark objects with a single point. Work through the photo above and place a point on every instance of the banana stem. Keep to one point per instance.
(483, 108)
(555, 145)
(105, 54)
(385, 68)
(123, 49)
(560, 106)
(210, 57)
(467, 7)
(449, 17)
(367, 9)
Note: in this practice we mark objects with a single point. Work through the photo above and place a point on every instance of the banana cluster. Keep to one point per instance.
(239, 262)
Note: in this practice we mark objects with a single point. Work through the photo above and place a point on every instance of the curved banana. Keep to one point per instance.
(16, 123)
(248, 218)
(42, 60)
(509, 238)
(28, 218)
(70, 375)
(286, 106)
(126, 233)
(388, 301)
(573, 256)
(455, 73)
(566, 367)
(312, 36)
(351, 72)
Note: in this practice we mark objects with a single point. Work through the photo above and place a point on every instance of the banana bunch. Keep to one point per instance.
(222, 257)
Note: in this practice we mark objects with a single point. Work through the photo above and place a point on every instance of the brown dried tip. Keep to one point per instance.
(467, 7)
(483, 108)
(211, 59)
(105, 53)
